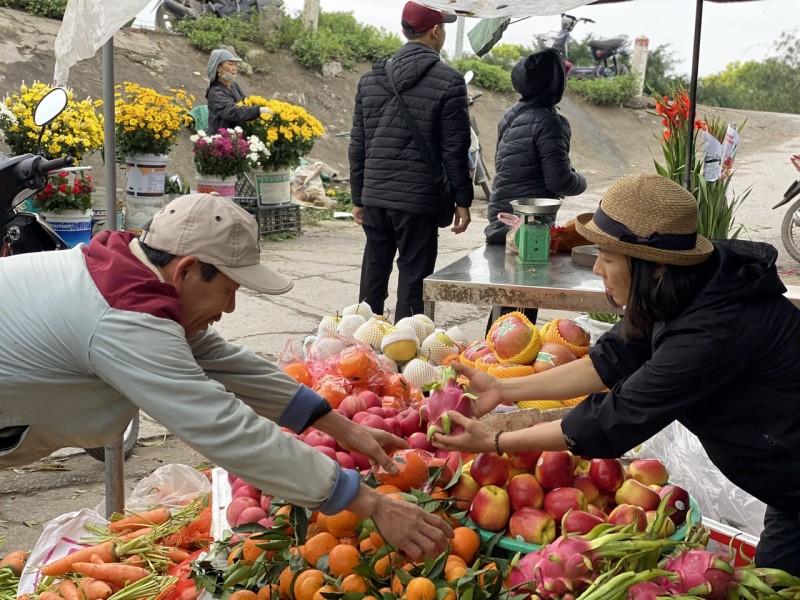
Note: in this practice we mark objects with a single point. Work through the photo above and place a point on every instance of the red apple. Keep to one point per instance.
(251, 514)
(345, 460)
(552, 355)
(524, 491)
(373, 420)
(464, 491)
(490, 508)
(350, 406)
(510, 337)
(420, 440)
(477, 349)
(370, 398)
(265, 502)
(554, 469)
(559, 501)
(624, 514)
(236, 507)
(319, 438)
(377, 410)
(597, 512)
(678, 501)
(409, 421)
(327, 451)
(578, 521)
(489, 469)
(638, 494)
(649, 471)
(393, 426)
(525, 460)
(532, 525)
(607, 474)
(362, 462)
(247, 490)
(573, 333)
(587, 485)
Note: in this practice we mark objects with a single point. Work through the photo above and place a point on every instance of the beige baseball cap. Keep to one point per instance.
(217, 231)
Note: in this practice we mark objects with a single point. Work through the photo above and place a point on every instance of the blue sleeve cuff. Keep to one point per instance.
(342, 493)
(303, 410)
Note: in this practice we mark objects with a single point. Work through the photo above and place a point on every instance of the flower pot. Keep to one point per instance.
(211, 183)
(74, 226)
(146, 175)
(273, 187)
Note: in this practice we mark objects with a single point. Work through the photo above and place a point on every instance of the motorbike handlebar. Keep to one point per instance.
(45, 166)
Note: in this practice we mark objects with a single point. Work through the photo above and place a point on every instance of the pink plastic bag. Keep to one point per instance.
(513, 221)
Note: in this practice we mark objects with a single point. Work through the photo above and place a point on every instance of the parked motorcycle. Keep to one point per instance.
(790, 228)
(602, 51)
(477, 164)
(22, 232)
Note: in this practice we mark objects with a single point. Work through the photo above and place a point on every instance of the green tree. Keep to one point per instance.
(506, 55)
(660, 76)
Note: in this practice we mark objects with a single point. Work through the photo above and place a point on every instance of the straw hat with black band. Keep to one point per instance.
(648, 217)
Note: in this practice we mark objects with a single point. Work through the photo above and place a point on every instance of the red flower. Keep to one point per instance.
(62, 188)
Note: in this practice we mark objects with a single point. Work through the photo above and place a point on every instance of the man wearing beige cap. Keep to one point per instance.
(124, 324)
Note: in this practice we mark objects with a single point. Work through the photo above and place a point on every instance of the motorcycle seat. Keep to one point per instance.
(609, 44)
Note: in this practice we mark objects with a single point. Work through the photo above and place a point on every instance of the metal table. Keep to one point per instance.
(490, 277)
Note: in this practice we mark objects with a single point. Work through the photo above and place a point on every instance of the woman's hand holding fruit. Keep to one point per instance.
(486, 387)
(478, 437)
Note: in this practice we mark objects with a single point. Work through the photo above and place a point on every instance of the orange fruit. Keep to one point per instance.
(366, 546)
(327, 589)
(307, 584)
(492, 572)
(354, 583)
(387, 488)
(342, 559)
(250, 549)
(376, 539)
(355, 364)
(318, 546)
(412, 471)
(451, 595)
(313, 529)
(243, 595)
(321, 522)
(465, 543)
(265, 593)
(454, 568)
(234, 555)
(300, 373)
(285, 582)
(397, 586)
(343, 524)
(420, 588)
(286, 511)
(383, 564)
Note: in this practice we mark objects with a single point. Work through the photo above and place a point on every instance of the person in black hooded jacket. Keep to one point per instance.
(395, 194)
(708, 339)
(532, 156)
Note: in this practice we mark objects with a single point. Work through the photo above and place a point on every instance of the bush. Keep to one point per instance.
(315, 48)
(365, 42)
(210, 32)
(605, 90)
(53, 9)
(490, 77)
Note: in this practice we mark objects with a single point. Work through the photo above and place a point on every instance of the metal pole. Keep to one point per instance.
(110, 135)
(698, 26)
(459, 53)
(114, 454)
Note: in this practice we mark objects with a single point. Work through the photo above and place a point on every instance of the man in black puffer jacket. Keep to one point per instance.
(532, 157)
(395, 196)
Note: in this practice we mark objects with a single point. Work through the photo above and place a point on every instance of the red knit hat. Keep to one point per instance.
(417, 18)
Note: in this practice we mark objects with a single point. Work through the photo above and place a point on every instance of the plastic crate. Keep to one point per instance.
(245, 186)
(283, 218)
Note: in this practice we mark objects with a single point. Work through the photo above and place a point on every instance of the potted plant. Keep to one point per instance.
(147, 125)
(220, 158)
(289, 133)
(66, 202)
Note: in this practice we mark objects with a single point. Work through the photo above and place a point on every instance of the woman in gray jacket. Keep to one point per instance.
(224, 94)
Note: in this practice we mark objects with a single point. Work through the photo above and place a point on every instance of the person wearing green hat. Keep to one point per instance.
(223, 94)
(708, 339)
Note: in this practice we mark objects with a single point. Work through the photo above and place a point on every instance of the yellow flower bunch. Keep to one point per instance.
(289, 132)
(148, 122)
(77, 131)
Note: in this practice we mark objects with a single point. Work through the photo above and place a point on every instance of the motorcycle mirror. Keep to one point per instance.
(50, 106)
(468, 76)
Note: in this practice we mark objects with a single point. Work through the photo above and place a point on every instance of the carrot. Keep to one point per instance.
(68, 590)
(15, 561)
(64, 565)
(177, 555)
(48, 595)
(118, 573)
(136, 533)
(93, 589)
(134, 560)
(157, 516)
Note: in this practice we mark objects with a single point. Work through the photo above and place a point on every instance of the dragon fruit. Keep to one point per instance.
(699, 573)
(447, 394)
(646, 590)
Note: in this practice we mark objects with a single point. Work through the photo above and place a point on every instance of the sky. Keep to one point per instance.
(737, 31)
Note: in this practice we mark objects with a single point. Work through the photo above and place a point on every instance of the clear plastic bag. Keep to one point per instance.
(171, 486)
(513, 222)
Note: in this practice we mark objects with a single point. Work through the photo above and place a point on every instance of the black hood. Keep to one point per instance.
(739, 270)
(410, 64)
(541, 77)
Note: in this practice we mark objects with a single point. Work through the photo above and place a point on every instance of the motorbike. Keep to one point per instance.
(23, 232)
(790, 228)
(477, 164)
(602, 51)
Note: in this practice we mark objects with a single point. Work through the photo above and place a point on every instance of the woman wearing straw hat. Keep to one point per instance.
(223, 94)
(708, 339)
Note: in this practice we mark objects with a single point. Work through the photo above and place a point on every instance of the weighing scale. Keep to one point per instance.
(533, 235)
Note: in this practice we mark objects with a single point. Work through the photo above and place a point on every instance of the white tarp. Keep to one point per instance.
(505, 8)
(87, 25)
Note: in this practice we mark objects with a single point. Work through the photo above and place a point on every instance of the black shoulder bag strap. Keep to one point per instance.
(412, 126)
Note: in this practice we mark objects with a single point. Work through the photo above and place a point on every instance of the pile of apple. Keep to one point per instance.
(535, 496)
(248, 504)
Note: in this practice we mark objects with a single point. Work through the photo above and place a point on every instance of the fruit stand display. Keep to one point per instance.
(526, 525)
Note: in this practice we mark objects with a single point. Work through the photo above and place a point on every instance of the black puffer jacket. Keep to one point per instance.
(386, 168)
(532, 157)
(727, 368)
(223, 111)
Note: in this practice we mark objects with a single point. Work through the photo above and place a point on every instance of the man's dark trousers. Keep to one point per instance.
(415, 238)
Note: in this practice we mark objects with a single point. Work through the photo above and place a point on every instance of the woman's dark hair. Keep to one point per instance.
(161, 259)
(659, 293)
